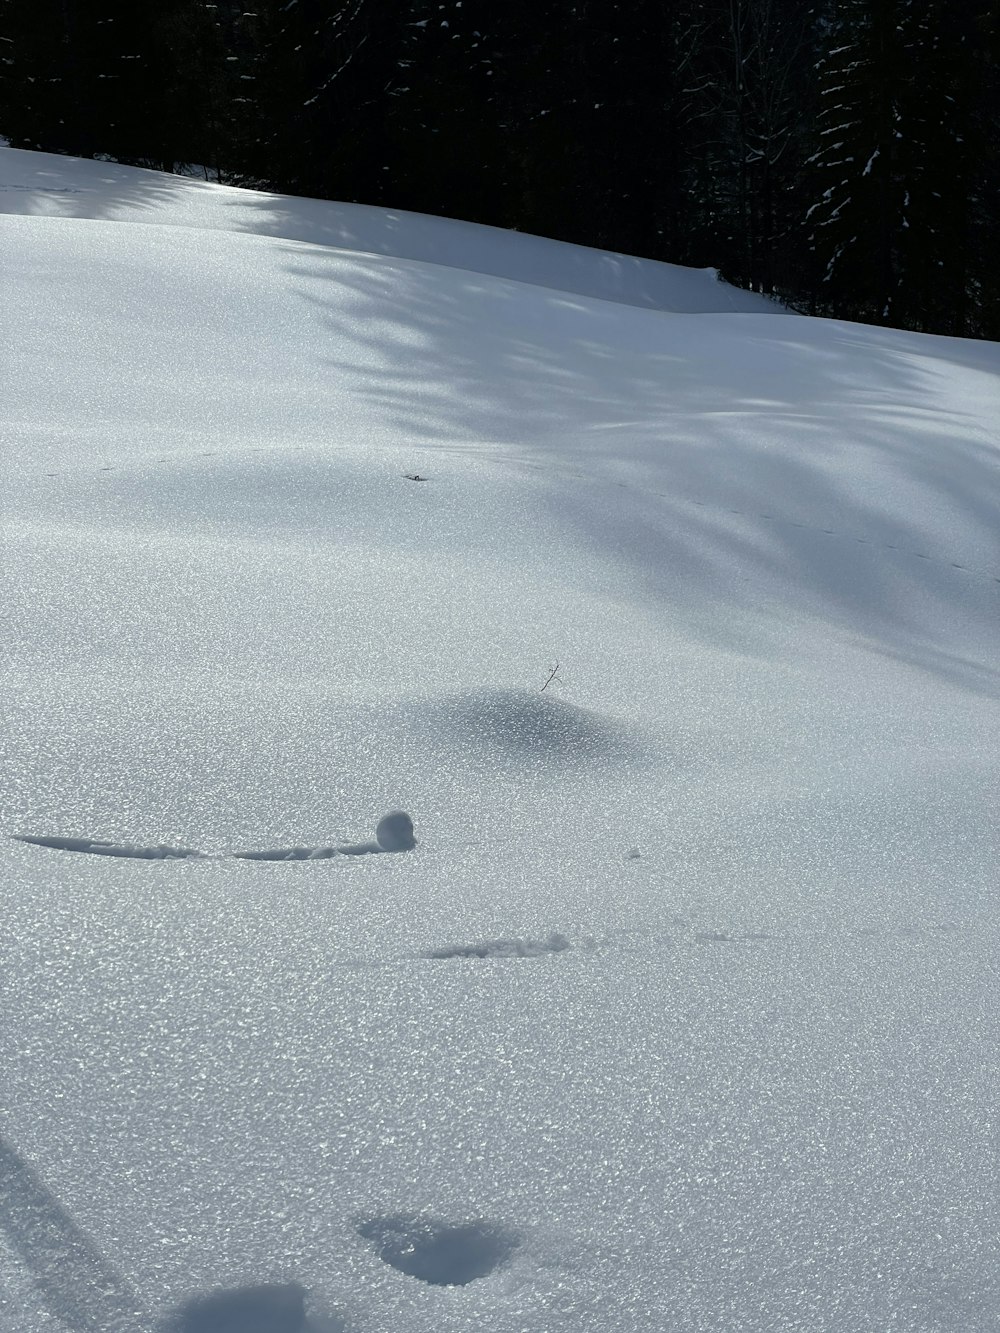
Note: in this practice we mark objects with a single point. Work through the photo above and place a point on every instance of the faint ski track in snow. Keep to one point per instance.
(84, 1292)
(79, 1286)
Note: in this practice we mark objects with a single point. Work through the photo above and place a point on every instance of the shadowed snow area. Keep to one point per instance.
(444, 1256)
(408, 1093)
(35, 185)
(515, 948)
(524, 725)
(269, 1308)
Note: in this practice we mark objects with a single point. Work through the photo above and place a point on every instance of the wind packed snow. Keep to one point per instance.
(682, 1012)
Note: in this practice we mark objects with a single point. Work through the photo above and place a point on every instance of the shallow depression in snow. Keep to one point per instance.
(269, 1308)
(503, 948)
(437, 1253)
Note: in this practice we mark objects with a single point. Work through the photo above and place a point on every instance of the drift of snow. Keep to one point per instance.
(682, 1013)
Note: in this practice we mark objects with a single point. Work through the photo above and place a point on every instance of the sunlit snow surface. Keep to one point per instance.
(683, 1012)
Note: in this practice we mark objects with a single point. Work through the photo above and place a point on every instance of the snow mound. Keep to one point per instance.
(524, 725)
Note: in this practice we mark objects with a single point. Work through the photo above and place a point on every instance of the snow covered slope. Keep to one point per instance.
(682, 1014)
(37, 184)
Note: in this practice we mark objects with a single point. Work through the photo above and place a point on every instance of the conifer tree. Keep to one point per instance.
(860, 202)
(323, 96)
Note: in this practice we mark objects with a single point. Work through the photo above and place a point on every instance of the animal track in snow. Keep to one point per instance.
(393, 833)
(503, 948)
(445, 1256)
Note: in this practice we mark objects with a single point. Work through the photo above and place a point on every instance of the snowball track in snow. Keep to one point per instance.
(393, 833)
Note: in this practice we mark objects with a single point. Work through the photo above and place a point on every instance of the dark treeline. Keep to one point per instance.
(844, 155)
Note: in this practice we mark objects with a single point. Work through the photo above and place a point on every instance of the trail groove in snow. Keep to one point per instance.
(393, 833)
(77, 1282)
(513, 947)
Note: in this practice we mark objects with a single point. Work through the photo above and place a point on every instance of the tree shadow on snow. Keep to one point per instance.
(56, 185)
(745, 441)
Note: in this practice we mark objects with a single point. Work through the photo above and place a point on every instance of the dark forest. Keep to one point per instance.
(844, 155)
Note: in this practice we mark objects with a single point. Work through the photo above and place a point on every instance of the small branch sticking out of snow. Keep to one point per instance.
(551, 678)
